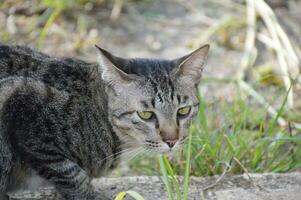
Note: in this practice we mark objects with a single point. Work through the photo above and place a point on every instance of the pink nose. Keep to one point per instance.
(170, 143)
(169, 134)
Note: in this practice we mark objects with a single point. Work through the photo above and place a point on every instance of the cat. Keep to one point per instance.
(67, 120)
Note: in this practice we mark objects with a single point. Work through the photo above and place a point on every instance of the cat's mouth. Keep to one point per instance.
(163, 147)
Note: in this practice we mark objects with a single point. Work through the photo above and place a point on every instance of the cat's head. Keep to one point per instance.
(152, 102)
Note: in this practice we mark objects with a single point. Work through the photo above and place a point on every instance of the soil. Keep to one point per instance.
(164, 29)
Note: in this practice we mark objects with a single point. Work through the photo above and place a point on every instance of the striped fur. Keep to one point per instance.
(68, 121)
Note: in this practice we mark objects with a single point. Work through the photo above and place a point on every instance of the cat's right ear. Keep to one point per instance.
(190, 67)
(111, 68)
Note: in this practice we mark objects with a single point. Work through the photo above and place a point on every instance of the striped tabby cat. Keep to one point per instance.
(67, 121)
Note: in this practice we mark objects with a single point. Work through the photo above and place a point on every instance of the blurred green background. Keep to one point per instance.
(250, 118)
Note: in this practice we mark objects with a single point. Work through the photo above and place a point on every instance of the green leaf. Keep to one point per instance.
(133, 194)
(165, 177)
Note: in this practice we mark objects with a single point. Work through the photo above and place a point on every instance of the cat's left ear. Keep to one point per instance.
(190, 67)
(112, 68)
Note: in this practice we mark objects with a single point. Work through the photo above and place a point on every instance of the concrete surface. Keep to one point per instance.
(240, 187)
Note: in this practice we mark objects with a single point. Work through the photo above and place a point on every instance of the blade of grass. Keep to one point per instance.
(224, 22)
(120, 196)
(232, 148)
(279, 112)
(187, 167)
(133, 194)
(118, 5)
(173, 178)
(273, 125)
(247, 88)
(258, 150)
(272, 25)
(202, 115)
(55, 13)
(165, 177)
(250, 52)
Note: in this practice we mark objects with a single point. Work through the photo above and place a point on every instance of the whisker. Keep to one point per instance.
(141, 150)
(117, 154)
(151, 150)
(139, 155)
(130, 153)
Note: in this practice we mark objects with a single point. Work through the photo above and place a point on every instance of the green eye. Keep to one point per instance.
(145, 115)
(184, 111)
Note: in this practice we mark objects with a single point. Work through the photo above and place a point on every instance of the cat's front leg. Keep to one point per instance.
(70, 180)
(6, 165)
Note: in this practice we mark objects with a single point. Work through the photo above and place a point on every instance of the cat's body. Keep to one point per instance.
(59, 119)
(51, 112)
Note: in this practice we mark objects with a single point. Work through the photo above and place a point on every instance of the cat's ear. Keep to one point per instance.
(111, 68)
(190, 67)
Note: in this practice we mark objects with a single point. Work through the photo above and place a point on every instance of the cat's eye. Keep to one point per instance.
(145, 115)
(184, 111)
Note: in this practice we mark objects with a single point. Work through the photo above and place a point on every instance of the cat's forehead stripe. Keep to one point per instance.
(171, 88)
(159, 97)
(154, 85)
(179, 99)
(145, 104)
(184, 100)
(153, 102)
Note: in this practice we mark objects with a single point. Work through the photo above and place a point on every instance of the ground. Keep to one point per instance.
(246, 187)
(164, 29)
(169, 29)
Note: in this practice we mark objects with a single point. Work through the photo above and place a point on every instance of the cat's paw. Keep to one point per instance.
(4, 197)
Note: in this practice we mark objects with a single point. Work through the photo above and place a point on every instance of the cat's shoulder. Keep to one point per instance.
(19, 50)
(26, 52)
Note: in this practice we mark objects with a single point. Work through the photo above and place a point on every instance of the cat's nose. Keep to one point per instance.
(169, 134)
(170, 143)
